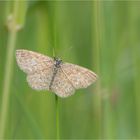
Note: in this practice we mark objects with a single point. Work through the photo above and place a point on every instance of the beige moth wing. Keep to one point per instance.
(31, 62)
(38, 68)
(80, 77)
(40, 80)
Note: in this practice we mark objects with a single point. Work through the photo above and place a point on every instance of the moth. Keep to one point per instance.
(46, 73)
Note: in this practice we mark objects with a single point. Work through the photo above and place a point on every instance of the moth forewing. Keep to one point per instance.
(31, 62)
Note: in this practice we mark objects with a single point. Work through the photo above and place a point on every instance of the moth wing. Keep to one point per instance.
(31, 62)
(79, 76)
(40, 80)
(61, 85)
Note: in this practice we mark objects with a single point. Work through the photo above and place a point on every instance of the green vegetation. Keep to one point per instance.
(103, 36)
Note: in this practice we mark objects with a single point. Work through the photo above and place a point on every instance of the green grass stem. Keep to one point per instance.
(134, 38)
(57, 118)
(96, 58)
(7, 81)
(13, 27)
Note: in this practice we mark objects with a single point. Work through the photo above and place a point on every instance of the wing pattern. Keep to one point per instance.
(40, 80)
(80, 77)
(31, 62)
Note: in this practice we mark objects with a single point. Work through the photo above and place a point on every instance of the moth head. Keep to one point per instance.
(58, 61)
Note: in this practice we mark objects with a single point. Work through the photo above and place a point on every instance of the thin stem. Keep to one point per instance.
(134, 38)
(57, 118)
(54, 55)
(96, 57)
(13, 24)
(7, 81)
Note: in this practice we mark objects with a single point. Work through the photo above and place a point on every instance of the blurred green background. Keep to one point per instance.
(103, 36)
